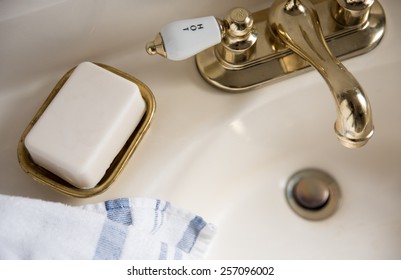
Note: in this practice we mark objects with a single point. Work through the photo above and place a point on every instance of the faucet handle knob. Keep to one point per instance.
(181, 39)
(239, 22)
(352, 12)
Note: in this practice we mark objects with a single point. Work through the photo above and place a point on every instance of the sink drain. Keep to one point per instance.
(313, 194)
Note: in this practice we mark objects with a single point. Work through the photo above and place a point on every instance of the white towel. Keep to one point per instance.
(117, 229)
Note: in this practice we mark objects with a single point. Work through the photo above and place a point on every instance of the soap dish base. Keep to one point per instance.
(49, 179)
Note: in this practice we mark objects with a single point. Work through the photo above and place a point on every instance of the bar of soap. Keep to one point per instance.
(86, 125)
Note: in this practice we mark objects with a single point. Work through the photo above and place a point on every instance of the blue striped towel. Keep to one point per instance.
(116, 229)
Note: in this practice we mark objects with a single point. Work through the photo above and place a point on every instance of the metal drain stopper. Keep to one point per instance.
(313, 194)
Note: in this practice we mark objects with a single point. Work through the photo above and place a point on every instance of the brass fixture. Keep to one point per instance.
(156, 46)
(352, 12)
(240, 36)
(283, 41)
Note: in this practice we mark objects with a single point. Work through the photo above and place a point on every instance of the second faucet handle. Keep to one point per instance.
(351, 12)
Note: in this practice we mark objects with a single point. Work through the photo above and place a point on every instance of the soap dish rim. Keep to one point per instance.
(51, 180)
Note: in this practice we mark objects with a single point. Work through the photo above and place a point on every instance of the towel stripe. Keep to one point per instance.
(111, 241)
(167, 205)
(156, 216)
(178, 254)
(159, 215)
(191, 234)
(163, 251)
(119, 210)
(114, 231)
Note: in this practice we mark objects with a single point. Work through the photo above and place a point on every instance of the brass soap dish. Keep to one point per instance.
(49, 179)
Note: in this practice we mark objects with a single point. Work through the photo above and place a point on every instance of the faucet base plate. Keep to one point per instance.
(271, 61)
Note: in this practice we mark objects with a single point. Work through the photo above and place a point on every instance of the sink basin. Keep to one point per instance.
(226, 157)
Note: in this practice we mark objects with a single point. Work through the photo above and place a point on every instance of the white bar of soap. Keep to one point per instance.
(86, 125)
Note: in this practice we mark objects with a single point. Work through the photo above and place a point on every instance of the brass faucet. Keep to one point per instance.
(297, 25)
(247, 50)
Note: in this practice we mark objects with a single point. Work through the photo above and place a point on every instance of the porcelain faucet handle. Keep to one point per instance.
(182, 39)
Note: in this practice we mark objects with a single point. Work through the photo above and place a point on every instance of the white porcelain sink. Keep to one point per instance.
(223, 156)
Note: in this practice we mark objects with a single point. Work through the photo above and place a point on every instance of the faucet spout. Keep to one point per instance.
(354, 125)
(297, 25)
